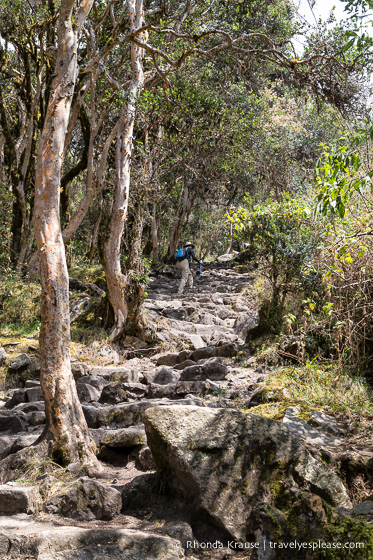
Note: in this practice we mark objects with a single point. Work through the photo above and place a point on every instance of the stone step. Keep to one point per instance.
(18, 499)
(125, 415)
(15, 421)
(113, 373)
(36, 540)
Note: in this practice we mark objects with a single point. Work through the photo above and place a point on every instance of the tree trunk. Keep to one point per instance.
(16, 230)
(230, 238)
(66, 426)
(96, 230)
(154, 232)
(78, 168)
(134, 271)
(174, 239)
(123, 294)
(28, 161)
(33, 267)
(181, 220)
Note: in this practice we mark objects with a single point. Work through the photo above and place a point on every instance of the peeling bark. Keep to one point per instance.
(33, 268)
(125, 295)
(66, 426)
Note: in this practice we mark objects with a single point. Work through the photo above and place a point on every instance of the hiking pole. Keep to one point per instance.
(200, 274)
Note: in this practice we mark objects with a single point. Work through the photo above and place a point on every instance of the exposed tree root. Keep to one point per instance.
(15, 465)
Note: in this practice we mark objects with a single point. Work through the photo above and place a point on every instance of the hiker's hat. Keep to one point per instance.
(189, 244)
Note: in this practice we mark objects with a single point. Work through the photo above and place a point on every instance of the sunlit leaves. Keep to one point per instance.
(338, 178)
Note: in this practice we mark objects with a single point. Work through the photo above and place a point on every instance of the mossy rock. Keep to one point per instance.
(304, 526)
(86, 500)
(227, 462)
(100, 281)
(121, 416)
(245, 256)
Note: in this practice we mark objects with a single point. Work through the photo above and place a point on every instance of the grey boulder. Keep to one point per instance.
(117, 374)
(125, 415)
(17, 396)
(95, 380)
(32, 383)
(202, 353)
(302, 430)
(90, 412)
(364, 508)
(20, 363)
(122, 392)
(166, 375)
(185, 364)
(12, 422)
(87, 393)
(116, 446)
(18, 499)
(126, 437)
(227, 462)
(12, 444)
(225, 350)
(85, 500)
(209, 370)
(168, 360)
(245, 322)
(34, 394)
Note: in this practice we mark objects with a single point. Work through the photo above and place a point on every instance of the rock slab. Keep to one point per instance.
(227, 462)
(18, 499)
(302, 429)
(75, 543)
(86, 500)
(80, 544)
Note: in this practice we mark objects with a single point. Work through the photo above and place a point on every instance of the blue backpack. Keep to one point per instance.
(181, 253)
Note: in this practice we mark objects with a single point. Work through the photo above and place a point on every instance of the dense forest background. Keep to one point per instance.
(146, 126)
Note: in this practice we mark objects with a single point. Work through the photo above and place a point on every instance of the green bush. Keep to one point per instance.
(19, 304)
(282, 238)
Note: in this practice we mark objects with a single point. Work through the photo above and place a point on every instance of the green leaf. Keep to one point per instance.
(342, 251)
(349, 44)
(341, 210)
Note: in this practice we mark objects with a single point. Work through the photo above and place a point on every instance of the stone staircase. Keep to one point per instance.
(217, 310)
(200, 336)
(208, 324)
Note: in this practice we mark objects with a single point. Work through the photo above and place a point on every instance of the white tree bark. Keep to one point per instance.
(117, 282)
(66, 426)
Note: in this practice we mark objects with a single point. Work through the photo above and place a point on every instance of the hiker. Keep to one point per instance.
(182, 262)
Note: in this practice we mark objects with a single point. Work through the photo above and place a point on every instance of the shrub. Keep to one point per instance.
(282, 238)
(19, 303)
